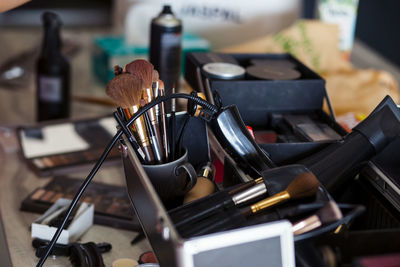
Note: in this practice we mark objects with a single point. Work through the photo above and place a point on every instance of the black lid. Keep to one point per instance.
(166, 9)
(51, 19)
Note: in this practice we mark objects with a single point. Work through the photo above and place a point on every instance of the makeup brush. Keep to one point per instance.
(156, 93)
(152, 135)
(163, 120)
(145, 71)
(150, 116)
(172, 142)
(304, 185)
(125, 91)
(241, 197)
(327, 214)
(245, 186)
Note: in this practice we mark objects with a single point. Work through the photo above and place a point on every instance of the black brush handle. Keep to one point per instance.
(233, 135)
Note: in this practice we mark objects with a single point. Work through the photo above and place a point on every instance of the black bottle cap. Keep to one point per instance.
(51, 19)
(166, 9)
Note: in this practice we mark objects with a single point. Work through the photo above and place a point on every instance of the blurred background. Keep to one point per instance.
(99, 34)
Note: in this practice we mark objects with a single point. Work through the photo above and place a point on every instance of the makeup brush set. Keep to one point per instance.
(267, 206)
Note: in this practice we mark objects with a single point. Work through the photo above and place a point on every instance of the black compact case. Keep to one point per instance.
(285, 113)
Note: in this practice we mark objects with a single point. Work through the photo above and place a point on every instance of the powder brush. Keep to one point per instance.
(145, 71)
(125, 91)
(304, 185)
(327, 214)
(248, 193)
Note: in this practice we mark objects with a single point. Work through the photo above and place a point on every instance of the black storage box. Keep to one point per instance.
(267, 104)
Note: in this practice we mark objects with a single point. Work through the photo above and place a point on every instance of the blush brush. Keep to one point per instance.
(303, 186)
(125, 91)
(145, 70)
(327, 214)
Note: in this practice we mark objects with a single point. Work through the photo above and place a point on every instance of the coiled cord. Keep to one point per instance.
(206, 106)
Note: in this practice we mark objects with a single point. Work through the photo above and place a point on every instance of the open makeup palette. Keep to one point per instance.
(60, 147)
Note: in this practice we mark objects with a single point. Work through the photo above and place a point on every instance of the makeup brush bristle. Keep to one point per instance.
(155, 76)
(125, 90)
(304, 185)
(161, 84)
(330, 213)
(143, 69)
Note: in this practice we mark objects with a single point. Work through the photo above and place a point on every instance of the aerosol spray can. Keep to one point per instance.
(165, 48)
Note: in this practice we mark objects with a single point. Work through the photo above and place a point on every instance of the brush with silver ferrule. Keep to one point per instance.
(145, 70)
(156, 93)
(172, 128)
(327, 214)
(122, 123)
(152, 135)
(125, 91)
(241, 197)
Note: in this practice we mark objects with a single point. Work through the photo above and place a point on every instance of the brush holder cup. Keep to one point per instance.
(172, 179)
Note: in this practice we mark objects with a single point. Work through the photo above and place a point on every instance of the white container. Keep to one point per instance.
(80, 224)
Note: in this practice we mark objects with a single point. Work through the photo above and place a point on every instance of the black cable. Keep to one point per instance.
(78, 195)
(182, 133)
(107, 150)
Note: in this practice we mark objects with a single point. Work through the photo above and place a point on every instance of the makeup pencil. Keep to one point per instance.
(172, 128)
(163, 120)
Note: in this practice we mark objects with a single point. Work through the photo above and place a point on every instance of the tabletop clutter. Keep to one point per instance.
(253, 153)
(255, 170)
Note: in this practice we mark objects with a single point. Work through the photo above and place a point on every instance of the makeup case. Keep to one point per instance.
(235, 241)
(286, 115)
(173, 250)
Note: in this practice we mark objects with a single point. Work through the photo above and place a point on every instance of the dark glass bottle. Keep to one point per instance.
(53, 70)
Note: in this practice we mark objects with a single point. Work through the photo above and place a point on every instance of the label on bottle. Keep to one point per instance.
(50, 89)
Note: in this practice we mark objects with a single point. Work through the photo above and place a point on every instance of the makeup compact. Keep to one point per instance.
(60, 147)
(224, 71)
(267, 72)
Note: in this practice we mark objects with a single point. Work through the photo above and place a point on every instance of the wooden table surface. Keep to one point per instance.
(17, 107)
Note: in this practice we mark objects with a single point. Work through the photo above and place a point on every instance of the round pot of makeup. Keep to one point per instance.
(224, 71)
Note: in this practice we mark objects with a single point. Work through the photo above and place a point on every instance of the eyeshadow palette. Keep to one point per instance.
(112, 205)
(55, 148)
